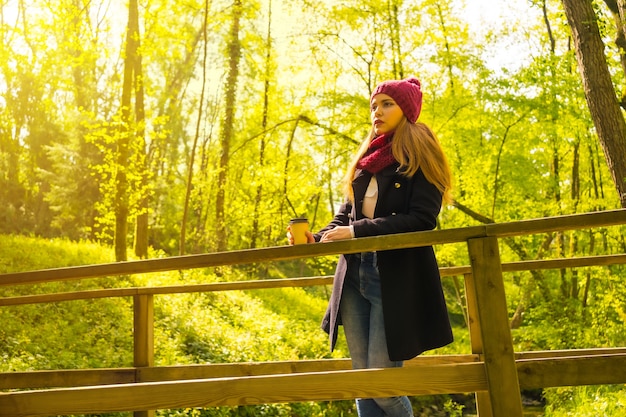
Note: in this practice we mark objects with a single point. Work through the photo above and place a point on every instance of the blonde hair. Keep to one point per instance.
(414, 146)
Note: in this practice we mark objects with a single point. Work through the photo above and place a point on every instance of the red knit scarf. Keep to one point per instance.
(378, 155)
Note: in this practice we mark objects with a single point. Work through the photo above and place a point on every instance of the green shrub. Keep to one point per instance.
(586, 401)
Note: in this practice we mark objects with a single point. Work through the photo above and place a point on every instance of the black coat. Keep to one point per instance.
(415, 313)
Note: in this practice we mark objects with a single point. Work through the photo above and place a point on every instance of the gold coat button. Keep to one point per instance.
(397, 185)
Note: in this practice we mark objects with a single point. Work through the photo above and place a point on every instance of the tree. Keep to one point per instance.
(128, 128)
(140, 151)
(194, 147)
(226, 134)
(170, 35)
(599, 91)
(254, 235)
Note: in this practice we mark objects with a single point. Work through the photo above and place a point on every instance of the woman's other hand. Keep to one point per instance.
(337, 233)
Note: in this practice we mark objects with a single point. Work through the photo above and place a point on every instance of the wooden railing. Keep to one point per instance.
(493, 370)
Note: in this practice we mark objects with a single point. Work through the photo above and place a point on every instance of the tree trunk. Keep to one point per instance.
(268, 72)
(234, 55)
(618, 10)
(123, 144)
(294, 212)
(194, 147)
(84, 77)
(141, 222)
(395, 37)
(599, 92)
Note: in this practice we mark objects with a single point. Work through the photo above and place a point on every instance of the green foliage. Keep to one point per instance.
(329, 409)
(21, 253)
(519, 137)
(586, 401)
(237, 327)
(568, 323)
(63, 335)
(69, 335)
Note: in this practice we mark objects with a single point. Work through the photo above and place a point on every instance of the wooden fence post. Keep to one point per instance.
(483, 403)
(143, 336)
(493, 322)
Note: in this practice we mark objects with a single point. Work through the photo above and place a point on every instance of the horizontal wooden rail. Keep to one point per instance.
(572, 371)
(242, 257)
(167, 289)
(603, 260)
(87, 377)
(280, 253)
(557, 223)
(109, 376)
(578, 262)
(425, 379)
(316, 386)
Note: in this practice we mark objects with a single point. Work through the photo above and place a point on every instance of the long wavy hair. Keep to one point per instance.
(414, 146)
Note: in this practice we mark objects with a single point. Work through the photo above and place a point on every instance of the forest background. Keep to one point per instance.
(175, 127)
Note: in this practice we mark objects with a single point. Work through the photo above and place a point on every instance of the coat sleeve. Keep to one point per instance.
(404, 205)
(342, 218)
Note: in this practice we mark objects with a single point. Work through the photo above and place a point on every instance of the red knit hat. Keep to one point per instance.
(406, 93)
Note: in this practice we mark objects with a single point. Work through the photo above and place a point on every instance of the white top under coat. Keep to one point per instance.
(370, 198)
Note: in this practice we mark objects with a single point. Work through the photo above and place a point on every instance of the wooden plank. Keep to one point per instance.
(402, 240)
(572, 371)
(67, 296)
(475, 333)
(240, 257)
(66, 378)
(558, 223)
(143, 323)
(283, 367)
(143, 333)
(597, 368)
(483, 404)
(483, 400)
(454, 271)
(325, 386)
(583, 261)
(498, 354)
(569, 353)
(600, 260)
(86, 377)
(167, 289)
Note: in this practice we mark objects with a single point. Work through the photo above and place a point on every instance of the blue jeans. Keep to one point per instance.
(362, 317)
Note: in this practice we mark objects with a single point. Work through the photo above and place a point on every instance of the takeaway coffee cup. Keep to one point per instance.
(298, 229)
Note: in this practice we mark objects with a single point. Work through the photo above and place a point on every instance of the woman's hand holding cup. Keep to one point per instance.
(298, 232)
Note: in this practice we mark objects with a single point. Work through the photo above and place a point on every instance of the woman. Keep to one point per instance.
(390, 302)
